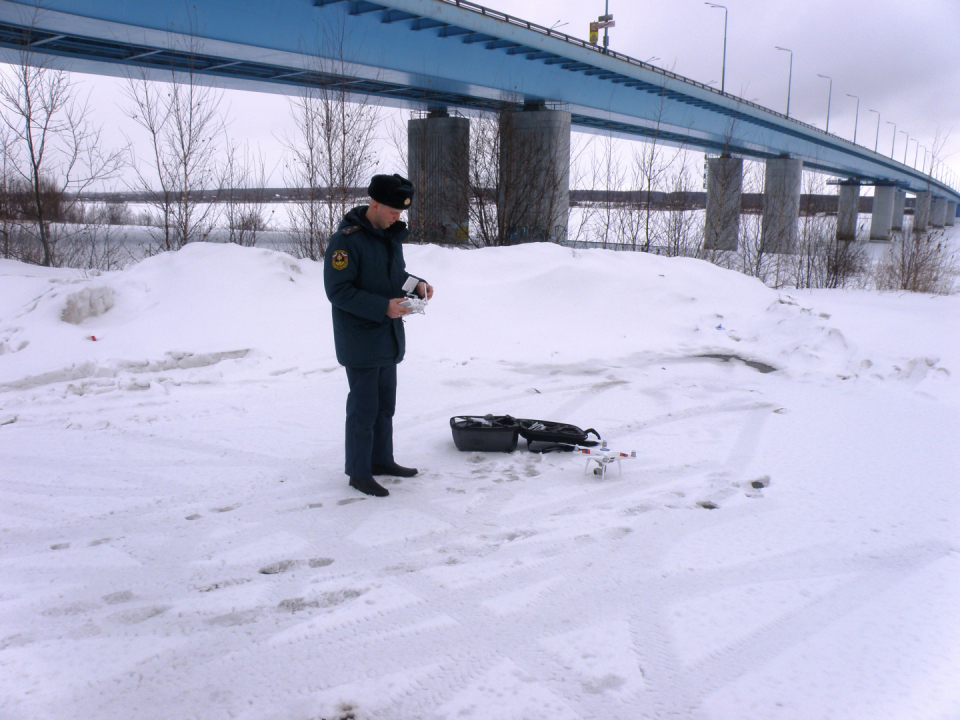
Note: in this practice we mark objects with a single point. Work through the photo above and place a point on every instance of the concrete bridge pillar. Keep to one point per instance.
(938, 212)
(884, 200)
(921, 211)
(951, 213)
(724, 186)
(899, 202)
(781, 205)
(848, 210)
(535, 174)
(438, 151)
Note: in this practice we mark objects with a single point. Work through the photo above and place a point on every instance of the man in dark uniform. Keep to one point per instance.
(363, 273)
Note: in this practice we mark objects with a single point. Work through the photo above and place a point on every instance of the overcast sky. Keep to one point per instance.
(900, 57)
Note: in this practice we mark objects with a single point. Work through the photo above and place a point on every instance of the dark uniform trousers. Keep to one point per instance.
(369, 429)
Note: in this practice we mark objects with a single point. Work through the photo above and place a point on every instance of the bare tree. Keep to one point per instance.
(9, 237)
(332, 152)
(242, 197)
(96, 242)
(683, 227)
(309, 230)
(938, 153)
(51, 150)
(180, 170)
(918, 261)
(486, 226)
(653, 163)
(580, 215)
(609, 174)
(821, 260)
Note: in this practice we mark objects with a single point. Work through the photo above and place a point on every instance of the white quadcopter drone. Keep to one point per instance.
(603, 456)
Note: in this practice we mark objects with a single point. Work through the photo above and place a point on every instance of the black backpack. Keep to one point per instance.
(544, 436)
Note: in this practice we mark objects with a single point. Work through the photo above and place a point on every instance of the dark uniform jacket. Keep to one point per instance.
(363, 269)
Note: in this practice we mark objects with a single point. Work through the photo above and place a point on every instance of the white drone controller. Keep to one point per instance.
(416, 304)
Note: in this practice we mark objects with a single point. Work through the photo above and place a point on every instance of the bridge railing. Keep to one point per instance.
(579, 42)
(550, 32)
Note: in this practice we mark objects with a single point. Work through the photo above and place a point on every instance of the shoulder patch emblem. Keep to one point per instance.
(350, 230)
(340, 260)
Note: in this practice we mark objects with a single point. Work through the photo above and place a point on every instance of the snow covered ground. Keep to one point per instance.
(178, 540)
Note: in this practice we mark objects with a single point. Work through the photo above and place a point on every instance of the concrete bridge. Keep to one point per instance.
(448, 56)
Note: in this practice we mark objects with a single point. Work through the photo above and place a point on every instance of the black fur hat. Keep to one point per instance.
(391, 190)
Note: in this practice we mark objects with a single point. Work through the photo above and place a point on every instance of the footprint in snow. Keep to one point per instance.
(760, 483)
(235, 618)
(222, 584)
(326, 600)
(139, 615)
(755, 487)
(287, 565)
(278, 567)
(117, 598)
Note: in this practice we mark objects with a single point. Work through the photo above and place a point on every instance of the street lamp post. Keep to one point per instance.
(723, 76)
(829, 97)
(893, 144)
(857, 119)
(907, 145)
(790, 78)
(877, 139)
(916, 153)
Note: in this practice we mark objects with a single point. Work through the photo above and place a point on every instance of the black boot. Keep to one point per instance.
(369, 486)
(393, 469)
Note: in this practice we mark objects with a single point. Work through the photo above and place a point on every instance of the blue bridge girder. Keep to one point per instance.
(428, 54)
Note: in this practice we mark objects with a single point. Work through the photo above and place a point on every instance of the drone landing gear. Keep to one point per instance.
(602, 463)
